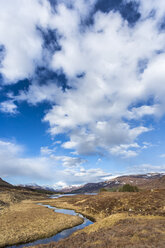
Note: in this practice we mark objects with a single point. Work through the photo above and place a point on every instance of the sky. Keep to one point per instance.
(82, 90)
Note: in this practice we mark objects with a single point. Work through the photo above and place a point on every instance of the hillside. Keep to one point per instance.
(143, 181)
(10, 194)
(4, 183)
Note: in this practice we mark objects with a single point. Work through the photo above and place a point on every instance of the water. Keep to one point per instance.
(64, 234)
(58, 196)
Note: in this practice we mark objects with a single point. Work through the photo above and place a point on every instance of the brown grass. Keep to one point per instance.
(9, 196)
(118, 231)
(123, 220)
(26, 221)
(105, 204)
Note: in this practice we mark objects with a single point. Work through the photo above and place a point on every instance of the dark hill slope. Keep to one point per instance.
(4, 183)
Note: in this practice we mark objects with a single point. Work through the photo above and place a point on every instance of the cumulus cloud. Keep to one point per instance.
(115, 72)
(150, 8)
(96, 112)
(38, 93)
(59, 185)
(20, 38)
(124, 150)
(69, 162)
(8, 107)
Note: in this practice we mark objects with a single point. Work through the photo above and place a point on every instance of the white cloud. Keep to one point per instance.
(8, 107)
(39, 93)
(45, 150)
(46, 167)
(147, 168)
(81, 175)
(20, 37)
(13, 163)
(125, 150)
(123, 68)
(103, 136)
(147, 8)
(69, 162)
(93, 111)
(59, 185)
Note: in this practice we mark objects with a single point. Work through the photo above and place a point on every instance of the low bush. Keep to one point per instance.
(103, 190)
(128, 188)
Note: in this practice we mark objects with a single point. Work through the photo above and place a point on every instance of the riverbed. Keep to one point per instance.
(63, 234)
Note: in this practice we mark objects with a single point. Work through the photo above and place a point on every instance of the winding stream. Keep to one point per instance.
(62, 234)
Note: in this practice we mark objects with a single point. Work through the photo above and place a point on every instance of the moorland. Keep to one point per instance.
(121, 219)
(22, 220)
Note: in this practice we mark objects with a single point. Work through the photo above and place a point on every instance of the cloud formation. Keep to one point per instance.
(45, 167)
(115, 72)
(21, 40)
(8, 107)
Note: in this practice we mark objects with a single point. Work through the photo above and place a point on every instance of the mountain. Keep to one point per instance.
(144, 181)
(37, 187)
(4, 183)
(71, 188)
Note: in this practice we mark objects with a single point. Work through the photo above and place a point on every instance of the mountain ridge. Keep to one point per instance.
(3, 183)
(144, 181)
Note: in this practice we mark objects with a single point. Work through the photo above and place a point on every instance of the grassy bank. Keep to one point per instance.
(21, 220)
(123, 220)
(10, 196)
(117, 231)
(26, 221)
(105, 204)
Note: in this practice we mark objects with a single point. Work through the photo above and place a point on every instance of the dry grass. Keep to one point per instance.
(118, 231)
(26, 221)
(123, 220)
(105, 204)
(9, 196)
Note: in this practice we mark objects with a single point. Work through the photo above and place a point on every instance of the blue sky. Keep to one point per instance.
(81, 90)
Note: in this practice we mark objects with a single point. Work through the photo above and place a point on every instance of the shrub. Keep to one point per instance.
(128, 188)
(103, 190)
(114, 189)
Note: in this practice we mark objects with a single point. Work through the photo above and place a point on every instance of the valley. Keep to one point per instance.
(120, 219)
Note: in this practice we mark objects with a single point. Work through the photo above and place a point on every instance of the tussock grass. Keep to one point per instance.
(117, 231)
(123, 220)
(108, 203)
(26, 221)
(9, 196)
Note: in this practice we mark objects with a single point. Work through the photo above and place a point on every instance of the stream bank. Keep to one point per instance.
(63, 234)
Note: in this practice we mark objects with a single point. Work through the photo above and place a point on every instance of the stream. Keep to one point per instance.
(63, 234)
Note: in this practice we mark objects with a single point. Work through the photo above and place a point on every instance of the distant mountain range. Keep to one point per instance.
(37, 187)
(30, 187)
(143, 181)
